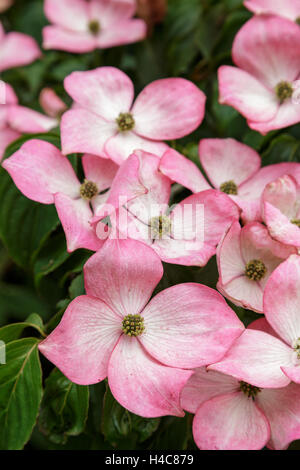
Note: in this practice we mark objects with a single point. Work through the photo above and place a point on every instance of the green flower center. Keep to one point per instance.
(160, 226)
(94, 27)
(298, 21)
(229, 187)
(255, 270)
(297, 347)
(88, 190)
(284, 91)
(296, 222)
(133, 325)
(250, 390)
(125, 122)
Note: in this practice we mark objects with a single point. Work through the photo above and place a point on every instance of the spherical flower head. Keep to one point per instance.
(133, 325)
(284, 90)
(255, 270)
(94, 27)
(249, 390)
(125, 122)
(229, 187)
(88, 190)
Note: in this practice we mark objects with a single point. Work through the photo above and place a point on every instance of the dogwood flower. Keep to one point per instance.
(44, 175)
(235, 415)
(281, 210)
(289, 9)
(16, 120)
(80, 26)
(186, 234)
(264, 85)
(267, 353)
(17, 49)
(143, 348)
(246, 258)
(109, 122)
(232, 167)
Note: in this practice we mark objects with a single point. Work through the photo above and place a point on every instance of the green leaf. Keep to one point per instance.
(24, 224)
(13, 331)
(64, 408)
(20, 393)
(122, 428)
(52, 255)
(77, 287)
(116, 420)
(173, 434)
(144, 427)
(18, 301)
(283, 148)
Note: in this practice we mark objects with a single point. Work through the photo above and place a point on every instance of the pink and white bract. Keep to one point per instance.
(17, 49)
(44, 175)
(51, 103)
(289, 9)
(231, 167)
(16, 120)
(267, 354)
(143, 348)
(186, 234)
(110, 123)
(81, 26)
(234, 415)
(246, 258)
(281, 210)
(265, 84)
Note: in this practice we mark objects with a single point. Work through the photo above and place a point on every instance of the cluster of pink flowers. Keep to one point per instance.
(185, 348)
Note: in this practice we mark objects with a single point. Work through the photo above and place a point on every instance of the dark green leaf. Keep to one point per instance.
(13, 331)
(20, 393)
(64, 408)
(24, 224)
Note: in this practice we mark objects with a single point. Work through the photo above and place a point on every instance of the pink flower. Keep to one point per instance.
(44, 175)
(51, 103)
(281, 210)
(268, 353)
(17, 49)
(108, 121)
(81, 26)
(187, 234)
(143, 348)
(16, 120)
(231, 167)
(289, 9)
(235, 415)
(264, 86)
(246, 258)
